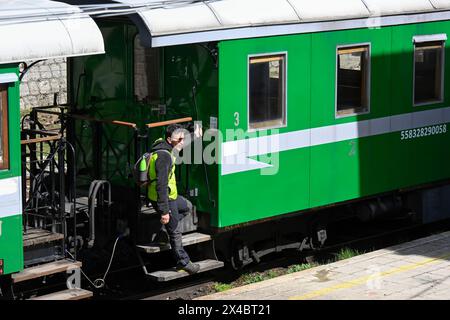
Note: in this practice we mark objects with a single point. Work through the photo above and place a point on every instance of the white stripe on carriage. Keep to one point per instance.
(10, 197)
(235, 153)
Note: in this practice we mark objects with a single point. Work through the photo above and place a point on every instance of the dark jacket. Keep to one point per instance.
(163, 165)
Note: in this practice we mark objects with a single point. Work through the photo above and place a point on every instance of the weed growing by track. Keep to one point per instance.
(254, 277)
(346, 253)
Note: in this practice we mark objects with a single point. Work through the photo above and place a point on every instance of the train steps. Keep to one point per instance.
(190, 239)
(69, 294)
(71, 267)
(45, 270)
(173, 273)
(41, 246)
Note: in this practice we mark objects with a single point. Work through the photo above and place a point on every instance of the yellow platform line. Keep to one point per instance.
(362, 280)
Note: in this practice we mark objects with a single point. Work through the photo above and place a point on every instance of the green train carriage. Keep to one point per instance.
(30, 32)
(333, 145)
(11, 257)
(308, 105)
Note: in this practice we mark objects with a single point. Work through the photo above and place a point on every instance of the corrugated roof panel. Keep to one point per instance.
(33, 40)
(253, 12)
(136, 2)
(322, 10)
(173, 22)
(33, 9)
(441, 4)
(390, 7)
(41, 29)
(85, 36)
(189, 18)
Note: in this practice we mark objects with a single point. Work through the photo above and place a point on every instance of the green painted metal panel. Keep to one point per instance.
(402, 65)
(11, 244)
(334, 171)
(323, 74)
(381, 163)
(422, 159)
(14, 125)
(360, 166)
(247, 196)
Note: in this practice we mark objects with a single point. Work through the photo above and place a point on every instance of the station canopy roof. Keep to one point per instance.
(173, 22)
(41, 29)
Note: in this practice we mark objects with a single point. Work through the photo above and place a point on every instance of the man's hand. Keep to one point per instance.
(198, 131)
(165, 218)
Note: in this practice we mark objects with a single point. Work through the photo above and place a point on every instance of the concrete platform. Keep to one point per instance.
(416, 270)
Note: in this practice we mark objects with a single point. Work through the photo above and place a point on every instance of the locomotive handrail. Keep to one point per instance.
(164, 123)
(116, 122)
(36, 140)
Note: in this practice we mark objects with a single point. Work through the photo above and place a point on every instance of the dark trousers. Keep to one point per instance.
(179, 209)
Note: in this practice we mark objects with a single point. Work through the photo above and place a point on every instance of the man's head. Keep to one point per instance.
(175, 136)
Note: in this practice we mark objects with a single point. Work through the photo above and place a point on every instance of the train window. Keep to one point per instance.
(267, 91)
(428, 72)
(353, 87)
(146, 72)
(4, 157)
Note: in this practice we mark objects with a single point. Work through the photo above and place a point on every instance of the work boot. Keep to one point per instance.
(191, 268)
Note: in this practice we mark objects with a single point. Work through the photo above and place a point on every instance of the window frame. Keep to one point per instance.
(369, 80)
(5, 127)
(285, 91)
(442, 93)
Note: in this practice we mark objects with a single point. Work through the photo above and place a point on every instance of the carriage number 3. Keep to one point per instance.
(236, 119)
(423, 132)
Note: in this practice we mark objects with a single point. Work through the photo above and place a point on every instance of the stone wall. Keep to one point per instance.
(41, 81)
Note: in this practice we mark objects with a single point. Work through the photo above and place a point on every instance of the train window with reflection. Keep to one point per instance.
(4, 156)
(267, 91)
(353, 82)
(146, 73)
(428, 72)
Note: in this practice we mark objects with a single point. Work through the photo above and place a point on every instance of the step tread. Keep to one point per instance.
(45, 269)
(69, 294)
(172, 274)
(188, 239)
(35, 236)
(148, 210)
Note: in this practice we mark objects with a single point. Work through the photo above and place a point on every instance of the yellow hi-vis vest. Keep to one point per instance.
(172, 182)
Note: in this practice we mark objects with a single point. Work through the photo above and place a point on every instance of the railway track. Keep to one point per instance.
(374, 237)
(129, 283)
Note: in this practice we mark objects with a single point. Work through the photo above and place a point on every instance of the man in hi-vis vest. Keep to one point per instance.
(163, 194)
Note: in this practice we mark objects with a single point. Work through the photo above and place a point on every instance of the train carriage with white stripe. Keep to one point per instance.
(30, 31)
(311, 112)
(308, 104)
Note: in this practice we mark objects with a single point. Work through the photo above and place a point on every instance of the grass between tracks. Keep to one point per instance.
(253, 277)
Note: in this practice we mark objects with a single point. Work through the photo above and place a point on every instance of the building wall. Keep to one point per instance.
(41, 82)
